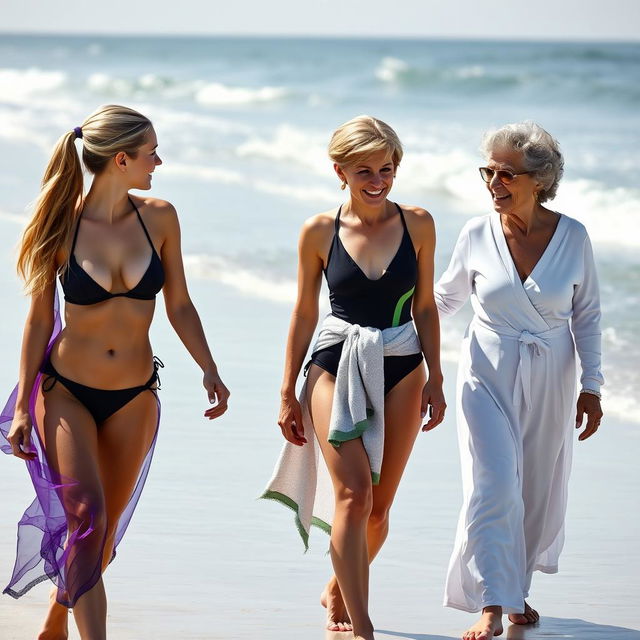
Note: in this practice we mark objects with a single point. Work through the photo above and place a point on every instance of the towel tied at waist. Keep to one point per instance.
(531, 345)
(358, 399)
(301, 480)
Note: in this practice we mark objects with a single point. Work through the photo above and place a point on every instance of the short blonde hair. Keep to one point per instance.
(360, 138)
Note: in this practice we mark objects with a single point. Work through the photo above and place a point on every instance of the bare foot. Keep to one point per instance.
(337, 615)
(489, 625)
(530, 616)
(56, 624)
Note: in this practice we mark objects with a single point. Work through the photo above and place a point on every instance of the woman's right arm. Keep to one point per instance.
(37, 332)
(303, 323)
(454, 286)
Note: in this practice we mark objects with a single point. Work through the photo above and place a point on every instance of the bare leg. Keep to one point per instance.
(489, 625)
(349, 469)
(402, 425)
(530, 616)
(56, 624)
(120, 445)
(123, 442)
(69, 435)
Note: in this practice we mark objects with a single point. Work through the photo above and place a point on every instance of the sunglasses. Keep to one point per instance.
(505, 176)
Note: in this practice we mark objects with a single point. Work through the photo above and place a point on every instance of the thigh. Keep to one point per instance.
(348, 464)
(124, 440)
(70, 440)
(402, 423)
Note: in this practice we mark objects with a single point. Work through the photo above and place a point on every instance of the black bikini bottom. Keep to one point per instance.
(395, 367)
(100, 403)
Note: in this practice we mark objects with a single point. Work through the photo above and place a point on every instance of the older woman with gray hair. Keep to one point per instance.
(530, 274)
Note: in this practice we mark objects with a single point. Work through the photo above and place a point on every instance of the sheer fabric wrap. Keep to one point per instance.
(49, 546)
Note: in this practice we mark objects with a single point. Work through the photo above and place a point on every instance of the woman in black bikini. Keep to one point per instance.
(90, 388)
(377, 257)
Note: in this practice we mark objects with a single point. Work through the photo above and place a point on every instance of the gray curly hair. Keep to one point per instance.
(540, 153)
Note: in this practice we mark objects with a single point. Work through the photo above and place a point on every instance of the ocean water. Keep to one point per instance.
(243, 126)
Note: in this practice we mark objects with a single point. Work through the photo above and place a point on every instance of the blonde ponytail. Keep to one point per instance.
(53, 217)
(104, 133)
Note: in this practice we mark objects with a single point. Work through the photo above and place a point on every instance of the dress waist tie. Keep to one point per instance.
(530, 345)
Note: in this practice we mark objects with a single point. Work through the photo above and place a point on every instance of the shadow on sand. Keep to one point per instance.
(547, 628)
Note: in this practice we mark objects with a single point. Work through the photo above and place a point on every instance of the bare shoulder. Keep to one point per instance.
(419, 221)
(319, 227)
(316, 235)
(155, 207)
(160, 216)
(418, 215)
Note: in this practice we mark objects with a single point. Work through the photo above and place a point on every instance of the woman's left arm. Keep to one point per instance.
(182, 313)
(425, 315)
(585, 325)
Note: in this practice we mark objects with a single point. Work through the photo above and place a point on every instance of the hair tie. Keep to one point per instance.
(78, 132)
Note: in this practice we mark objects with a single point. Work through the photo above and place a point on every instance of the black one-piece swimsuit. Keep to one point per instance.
(381, 303)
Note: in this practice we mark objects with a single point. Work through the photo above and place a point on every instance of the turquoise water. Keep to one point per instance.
(243, 126)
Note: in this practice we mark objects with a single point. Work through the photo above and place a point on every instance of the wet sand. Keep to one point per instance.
(204, 560)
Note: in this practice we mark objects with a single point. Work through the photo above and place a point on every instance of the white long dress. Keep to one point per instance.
(515, 404)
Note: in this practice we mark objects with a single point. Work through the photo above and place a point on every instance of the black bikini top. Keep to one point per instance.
(381, 303)
(80, 288)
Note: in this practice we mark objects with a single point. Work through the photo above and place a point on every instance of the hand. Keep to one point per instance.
(589, 404)
(433, 400)
(218, 394)
(290, 420)
(19, 436)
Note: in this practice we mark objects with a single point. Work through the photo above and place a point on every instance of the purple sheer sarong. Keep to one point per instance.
(46, 548)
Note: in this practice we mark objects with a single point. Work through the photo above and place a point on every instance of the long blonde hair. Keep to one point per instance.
(104, 133)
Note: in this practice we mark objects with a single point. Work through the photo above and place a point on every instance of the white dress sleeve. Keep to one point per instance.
(585, 321)
(455, 285)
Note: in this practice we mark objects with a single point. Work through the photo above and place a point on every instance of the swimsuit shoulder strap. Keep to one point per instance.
(336, 224)
(404, 222)
(75, 234)
(406, 229)
(144, 228)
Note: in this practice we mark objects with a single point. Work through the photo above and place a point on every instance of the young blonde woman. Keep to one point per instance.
(366, 392)
(89, 389)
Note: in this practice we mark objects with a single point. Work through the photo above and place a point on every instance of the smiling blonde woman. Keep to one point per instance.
(366, 391)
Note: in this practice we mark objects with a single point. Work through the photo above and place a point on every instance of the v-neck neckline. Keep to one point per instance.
(547, 250)
(361, 270)
(395, 255)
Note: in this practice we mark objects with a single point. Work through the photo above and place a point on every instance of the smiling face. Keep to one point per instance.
(140, 168)
(370, 179)
(520, 194)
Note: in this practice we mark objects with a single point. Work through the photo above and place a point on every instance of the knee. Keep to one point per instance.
(86, 512)
(379, 517)
(355, 502)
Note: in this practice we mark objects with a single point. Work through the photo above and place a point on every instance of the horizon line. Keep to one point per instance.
(324, 36)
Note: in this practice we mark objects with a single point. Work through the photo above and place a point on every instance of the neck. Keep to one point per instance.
(368, 214)
(107, 199)
(525, 220)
